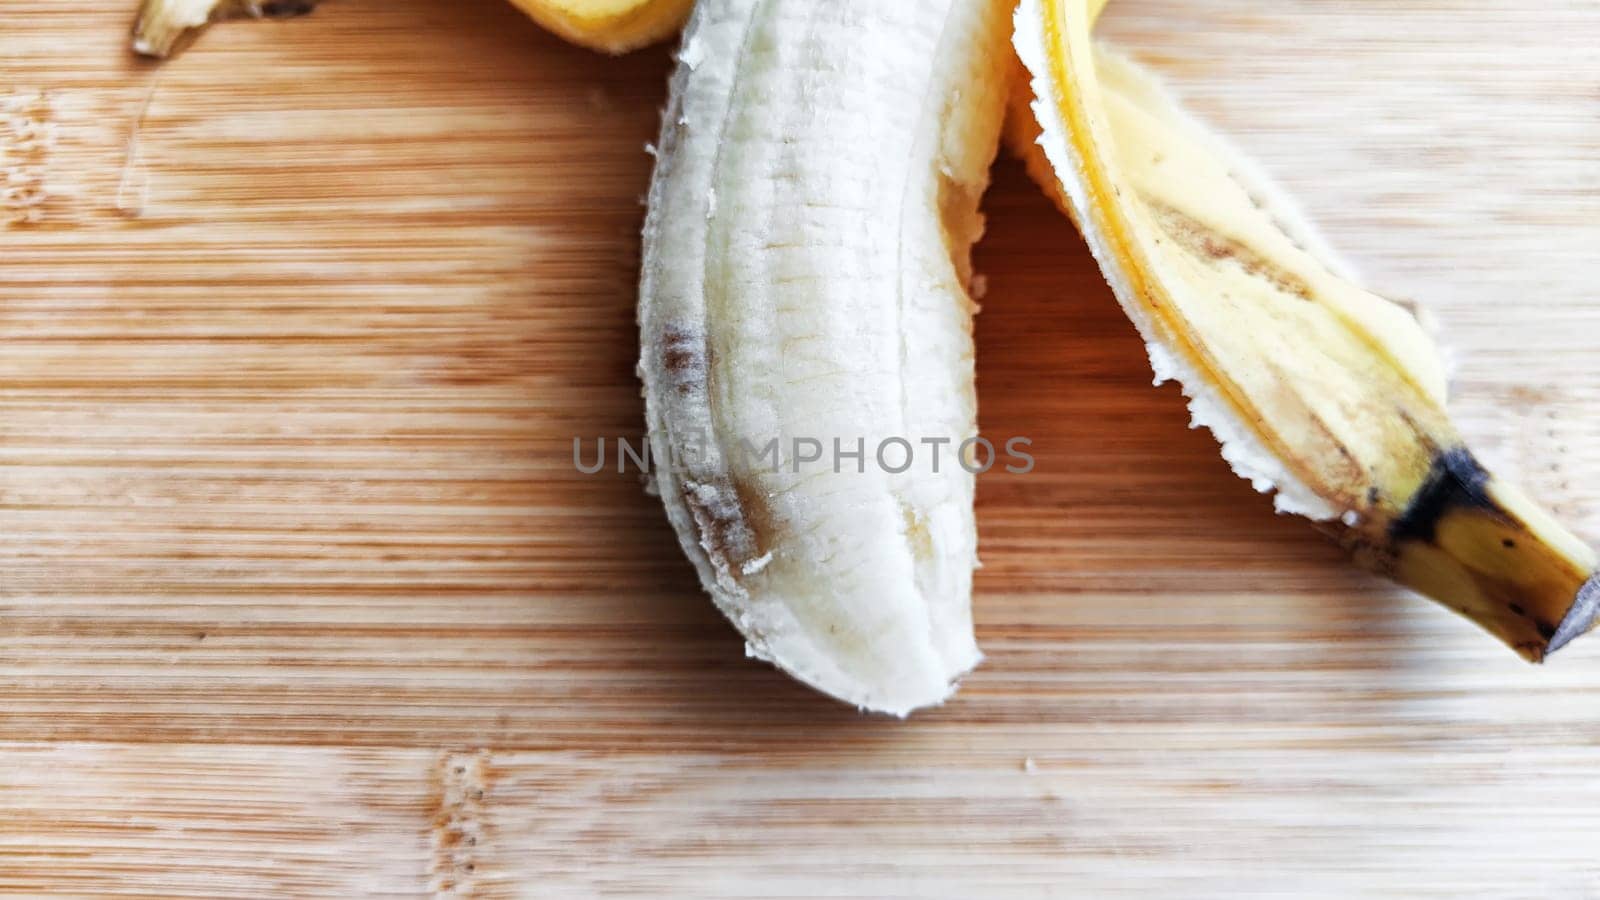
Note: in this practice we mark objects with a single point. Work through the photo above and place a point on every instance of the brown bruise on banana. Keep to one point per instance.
(1214, 283)
(730, 522)
(731, 519)
(685, 358)
(1203, 242)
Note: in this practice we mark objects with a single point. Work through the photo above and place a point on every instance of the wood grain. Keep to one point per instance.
(300, 594)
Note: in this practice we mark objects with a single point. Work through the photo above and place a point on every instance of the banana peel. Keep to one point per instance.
(610, 26)
(164, 26)
(1318, 390)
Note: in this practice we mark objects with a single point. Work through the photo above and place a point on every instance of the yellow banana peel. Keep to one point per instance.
(1323, 392)
(611, 26)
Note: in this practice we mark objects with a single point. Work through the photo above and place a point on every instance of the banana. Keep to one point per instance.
(611, 26)
(164, 25)
(805, 259)
(1317, 389)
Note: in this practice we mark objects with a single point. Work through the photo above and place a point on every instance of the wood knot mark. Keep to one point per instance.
(460, 788)
(27, 134)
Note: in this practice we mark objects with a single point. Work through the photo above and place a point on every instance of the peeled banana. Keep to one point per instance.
(1323, 392)
(804, 282)
(611, 26)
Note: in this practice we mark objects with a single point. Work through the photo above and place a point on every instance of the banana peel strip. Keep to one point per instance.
(1322, 392)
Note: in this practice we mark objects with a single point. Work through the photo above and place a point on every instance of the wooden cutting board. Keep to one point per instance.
(301, 595)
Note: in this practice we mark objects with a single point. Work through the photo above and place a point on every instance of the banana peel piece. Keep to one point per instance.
(610, 26)
(165, 26)
(1322, 392)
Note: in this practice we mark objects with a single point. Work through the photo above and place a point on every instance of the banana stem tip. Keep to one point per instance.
(1580, 617)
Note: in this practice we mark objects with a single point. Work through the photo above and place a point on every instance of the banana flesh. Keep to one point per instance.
(804, 278)
(611, 26)
(1323, 392)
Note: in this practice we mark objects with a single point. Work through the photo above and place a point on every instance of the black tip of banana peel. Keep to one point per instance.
(1455, 482)
(1580, 616)
(285, 9)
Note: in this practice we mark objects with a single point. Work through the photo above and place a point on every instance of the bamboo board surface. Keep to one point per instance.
(300, 594)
